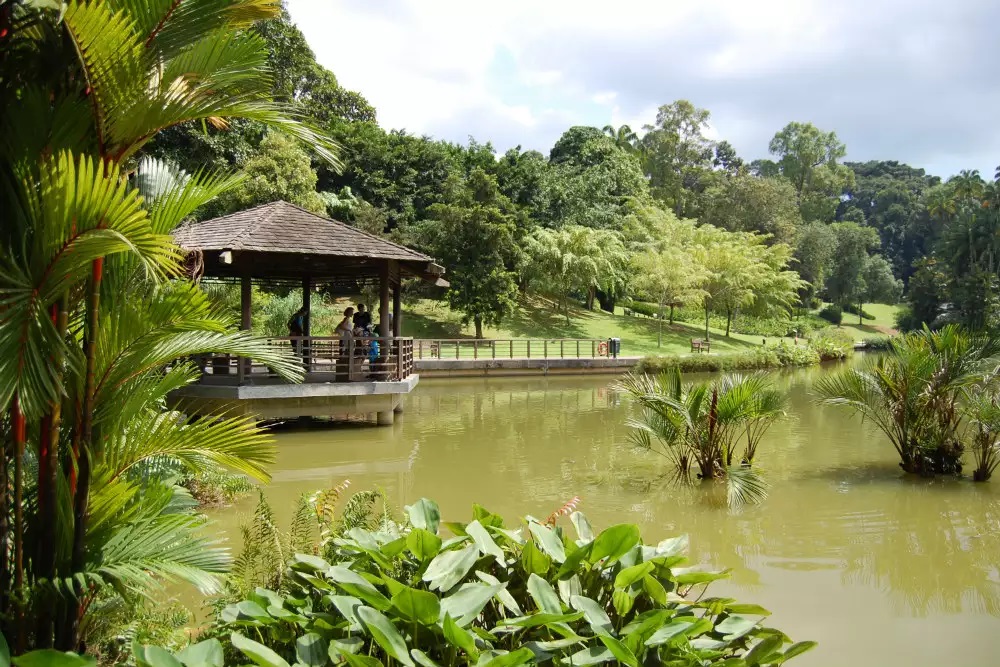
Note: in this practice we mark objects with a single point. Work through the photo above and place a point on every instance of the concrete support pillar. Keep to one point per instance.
(384, 418)
(243, 365)
(306, 303)
(383, 306)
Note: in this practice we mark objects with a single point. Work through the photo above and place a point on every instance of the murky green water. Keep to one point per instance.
(880, 569)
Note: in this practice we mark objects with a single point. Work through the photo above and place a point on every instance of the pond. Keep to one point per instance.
(879, 568)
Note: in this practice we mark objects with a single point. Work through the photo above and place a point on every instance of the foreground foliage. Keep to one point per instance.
(933, 395)
(495, 595)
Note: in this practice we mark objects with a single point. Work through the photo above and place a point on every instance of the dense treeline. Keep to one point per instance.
(670, 217)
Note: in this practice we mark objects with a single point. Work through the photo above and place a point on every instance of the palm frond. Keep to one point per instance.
(744, 486)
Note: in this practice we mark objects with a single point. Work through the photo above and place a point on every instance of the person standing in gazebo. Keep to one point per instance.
(345, 332)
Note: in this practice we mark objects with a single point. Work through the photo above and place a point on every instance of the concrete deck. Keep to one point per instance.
(375, 400)
(516, 367)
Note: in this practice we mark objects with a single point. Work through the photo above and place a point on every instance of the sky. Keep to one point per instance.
(916, 81)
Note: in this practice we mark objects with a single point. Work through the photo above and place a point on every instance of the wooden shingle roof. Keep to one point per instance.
(280, 227)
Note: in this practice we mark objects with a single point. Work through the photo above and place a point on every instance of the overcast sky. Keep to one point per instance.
(916, 81)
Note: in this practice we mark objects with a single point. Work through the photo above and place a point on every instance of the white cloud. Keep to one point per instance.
(897, 79)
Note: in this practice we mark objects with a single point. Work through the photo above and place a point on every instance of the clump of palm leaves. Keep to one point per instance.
(919, 393)
(712, 429)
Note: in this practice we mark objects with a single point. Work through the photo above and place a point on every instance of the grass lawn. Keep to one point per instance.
(536, 318)
(884, 322)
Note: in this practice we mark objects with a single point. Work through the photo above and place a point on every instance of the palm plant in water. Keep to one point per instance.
(95, 321)
(917, 395)
(710, 428)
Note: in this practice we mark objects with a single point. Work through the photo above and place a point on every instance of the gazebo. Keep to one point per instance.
(280, 243)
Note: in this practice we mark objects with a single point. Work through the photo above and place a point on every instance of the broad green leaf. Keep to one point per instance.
(672, 546)
(583, 527)
(416, 605)
(459, 637)
(346, 645)
(311, 650)
(668, 632)
(548, 541)
(154, 656)
(424, 514)
(559, 644)
(309, 563)
(598, 619)
(395, 547)
(534, 561)
(385, 634)
(203, 654)
(654, 589)
(685, 576)
(354, 584)
(568, 588)
(735, 626)
(614, 542)
(574, 558)
(361, 660)
(258, 653)
(346, 605)
(47, 657)
(752, 609)
(544, 595)
(484, 541)
(798, 649)
(465, 604)
(249, 610)
(622, 601)
(592, 656)
(450, 567)
(423, 544)
(621, 651)
(630, 575)
(762, 650)
(267, 598)
(646, 623)
(541, 618)
(521, 656)
(699, 627)
(422, 658)
(506, 599)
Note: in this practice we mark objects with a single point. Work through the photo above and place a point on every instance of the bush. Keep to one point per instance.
(492, 595)
(790, 354)
(853, 310)
(642, 308)
(878, 343)
(832, 314)
(906, 320)
(832, 343)
(815, 303)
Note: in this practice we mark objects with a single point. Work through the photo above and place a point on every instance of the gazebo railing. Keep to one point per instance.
(511, 348)
(326, 359)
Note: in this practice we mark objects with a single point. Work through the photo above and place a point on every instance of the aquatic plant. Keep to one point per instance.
(703, 425)
(915, 395)
(496, 595)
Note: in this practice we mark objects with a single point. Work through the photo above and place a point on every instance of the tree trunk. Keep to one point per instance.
(659, 328)
(606, 301)
(671, 314)
(18, 427)
(706, 321)
(861, 310)
(478, 319)
(590, 298)
(729, 320)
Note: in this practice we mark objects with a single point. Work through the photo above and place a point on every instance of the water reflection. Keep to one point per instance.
(841, 523)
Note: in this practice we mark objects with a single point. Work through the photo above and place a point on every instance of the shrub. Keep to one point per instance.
(832, 343)
(853, 310)
(790, 354)
(832, 314)
(878, 343)
(758, 359)
(647, 309)
(494, 595)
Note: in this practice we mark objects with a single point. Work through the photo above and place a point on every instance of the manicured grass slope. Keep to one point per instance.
(537, 318)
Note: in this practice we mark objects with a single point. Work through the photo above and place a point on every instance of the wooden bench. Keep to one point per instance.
(698, 345)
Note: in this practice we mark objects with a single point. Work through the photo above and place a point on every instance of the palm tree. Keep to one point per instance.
(623, 136)
(968, 184)
(702, 425)
(94, 322)
(914, 394)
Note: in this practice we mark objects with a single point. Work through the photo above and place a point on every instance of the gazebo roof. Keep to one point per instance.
(281, 240)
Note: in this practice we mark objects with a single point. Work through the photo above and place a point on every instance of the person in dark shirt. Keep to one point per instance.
(363, 319)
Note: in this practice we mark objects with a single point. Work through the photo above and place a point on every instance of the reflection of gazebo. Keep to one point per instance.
(280, 243)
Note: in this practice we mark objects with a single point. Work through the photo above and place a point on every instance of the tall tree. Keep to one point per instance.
(623, 136)
(808, 157)
(678, 155)
(475, 238)
(669, 278)
(745, 203)
(814, 251)
(846, 282)
(880, 285)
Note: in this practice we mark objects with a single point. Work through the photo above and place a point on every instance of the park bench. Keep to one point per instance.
(698, 345)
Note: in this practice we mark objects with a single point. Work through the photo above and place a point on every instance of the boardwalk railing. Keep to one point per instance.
(326, 359)
(511, 348)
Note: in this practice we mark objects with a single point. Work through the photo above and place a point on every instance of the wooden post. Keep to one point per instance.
(397, 310)
(243, 365)
(383, 306)
(307, 325)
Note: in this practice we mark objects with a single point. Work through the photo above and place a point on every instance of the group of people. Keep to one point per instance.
(357, 324)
